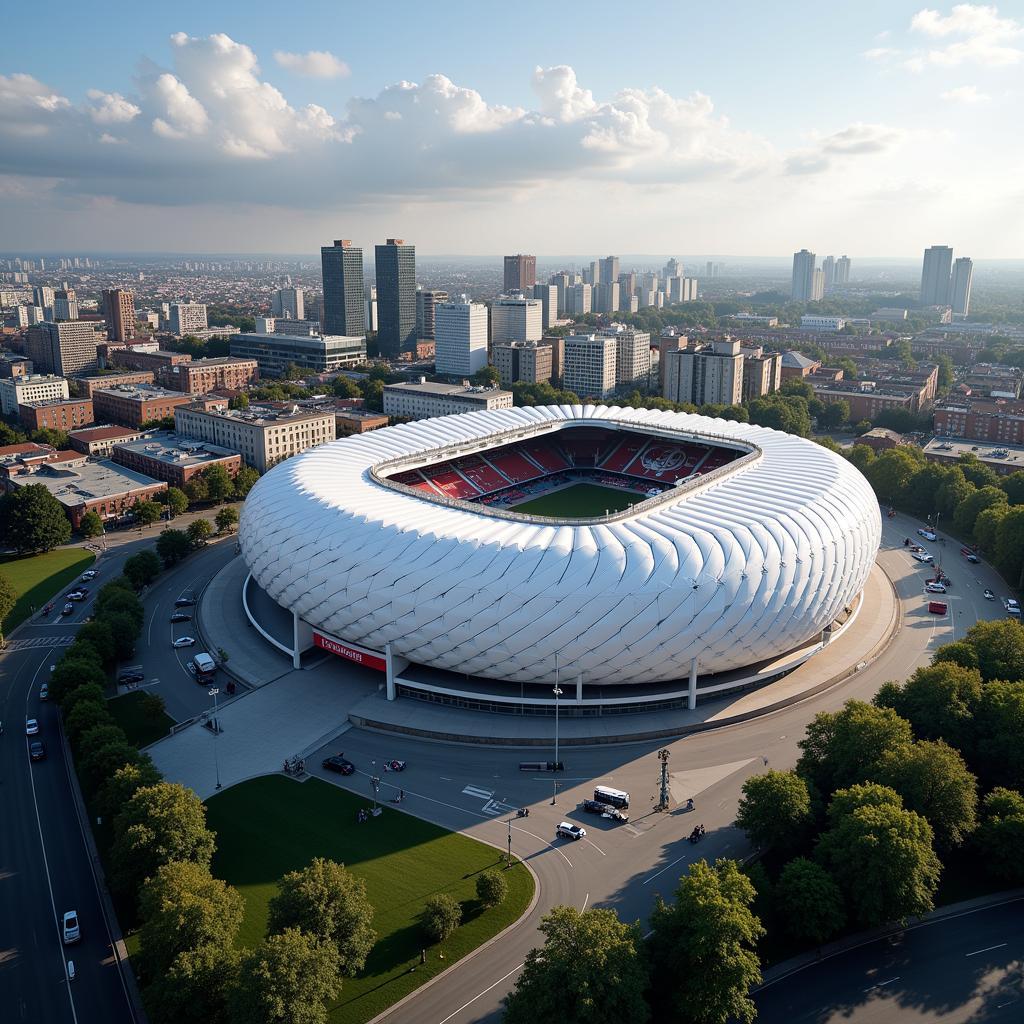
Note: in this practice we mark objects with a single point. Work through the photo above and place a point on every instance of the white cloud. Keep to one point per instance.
(560, 96)
(969, 94)
(858, 139)
(27, 105)
(111, 108)
(314, 64)
(981, 37)
(181, 113)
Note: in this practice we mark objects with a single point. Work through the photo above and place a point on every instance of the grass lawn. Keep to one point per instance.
(140, 728)
(37, 578)
(581, 500)
(269, 826)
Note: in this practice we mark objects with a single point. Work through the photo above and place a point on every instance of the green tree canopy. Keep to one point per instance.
(32, 519)
(999, 645)
(147, 512)
(1009, 549)
(244, 480)
(491, 888)
(1001, 836)
(90, 525)
(194, 987)
(999, 751)
(938, 700)
(176, 500)
(99, 764)
(890, 472)
(775, 810)
(958, 652)
(226, 519)
(198, 531)
(100, 636)
(124, 783)
(85, 715)
(219, 485)
(812, 902)
(172, 546)
(196, 490)
(590, 970)
(967, 511)
(441, 915)
(8, 599)
(986, 527)
(70, 673)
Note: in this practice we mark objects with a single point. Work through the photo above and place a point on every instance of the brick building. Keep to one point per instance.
(173, 458)
(985, 419)
(99, 441)
(357, 421)
(87, 385)
(56, 414)
(203, 375)
(135, 358)
(132, 406)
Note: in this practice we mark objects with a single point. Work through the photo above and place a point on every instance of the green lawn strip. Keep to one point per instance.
(268, 826)
(139, 727)
(39, 578)
(580, 500)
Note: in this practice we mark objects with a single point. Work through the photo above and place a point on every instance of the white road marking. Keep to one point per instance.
(986, 949)
(882, 984)
(479, 994)
(586, 900)
(482, 794)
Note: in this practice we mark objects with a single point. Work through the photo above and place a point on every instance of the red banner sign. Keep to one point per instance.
(356, 654)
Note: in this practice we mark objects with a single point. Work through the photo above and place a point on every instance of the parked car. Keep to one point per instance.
(181, 617)
(131, 675)
(184, 602)
(72, 929)
(969, 555)
(184, 641)
(927, 532)
(989, 596)
(37, 751)
(567, 830)
(67, 609)
(1012, 607)
(935, 588)
(594, 806)
(31, 727)
(922, 556)
(44, 691)
(340, 764)
(938, 607)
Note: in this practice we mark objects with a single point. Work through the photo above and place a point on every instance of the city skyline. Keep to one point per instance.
(217, 132)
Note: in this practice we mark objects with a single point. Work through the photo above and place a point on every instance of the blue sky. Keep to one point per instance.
(743, 127)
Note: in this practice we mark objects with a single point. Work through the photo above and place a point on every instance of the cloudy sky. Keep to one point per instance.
(874, 128)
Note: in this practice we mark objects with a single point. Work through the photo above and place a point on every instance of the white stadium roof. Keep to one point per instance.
(743, 566)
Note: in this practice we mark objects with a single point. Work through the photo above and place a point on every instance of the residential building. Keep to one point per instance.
(609, 270)
(960, 286)
(274, 353)
(935, 274)
(754, 319)
(828, 270)
(843, 270)
(520, 273)
(63, 348)
(993, 381)
(562, 281)
(548, 295)
(517, 318)
(802, 289)
(577, 299)
(627, 285)
(888, 314)
(422, 400)
(529, 362)
(134, 405)
(87, 385)
(818, 286)
(264, 436)
(461, 338)
(880, 439)
(705, 374)
(146, 358)
(98, 441)
(396, 296)
(606, 297)
(358, 421)
(670, 341)
(56, 414)
(13, 366)
(822, 323)
(1005, 458)
(65, 304)
(427, 301)
(632, 354)
(590, 364)
(344, 309)
(681, 289)
(865, 399)
(42, 296)
(371, 308)
(202, 375)
(290, 303)
(119, 309)
(995, 420)
(166, 455)
(762, 372)
(187, 318)
(36, 387)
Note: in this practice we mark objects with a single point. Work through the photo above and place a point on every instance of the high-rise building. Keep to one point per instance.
(589, 369)
(548, 295)
(935, 272)
(681, 289)
(396, 296)
(516, 318)
(803, 276)
(187, 317)
(65, 304)
(843, 270)
(609, 269)
(670, 340)
(119, 310)
(673, 268)
(818, 286)
(705, 374)
(371, 308)
(427, 301)
(606, 296)
(344, 312)
(563, 280)
(627, 285)
(62, 348)
(460, 331)
(632, 354)
(42, 295)
(828, 268)
(577, 299)
(762, 371)
(525, 361)
(289, 304)
(960, 286)
(592, 275)
(520, 273)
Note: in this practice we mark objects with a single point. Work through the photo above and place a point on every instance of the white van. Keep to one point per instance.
(612, 797)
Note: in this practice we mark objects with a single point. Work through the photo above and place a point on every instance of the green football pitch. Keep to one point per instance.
(580, 501)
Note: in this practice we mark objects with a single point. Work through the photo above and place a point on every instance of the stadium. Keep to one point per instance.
(637, 557)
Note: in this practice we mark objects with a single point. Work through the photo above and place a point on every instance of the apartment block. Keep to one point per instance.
(62, 348)
(203, 375)
(590, 363)
(134, 405)
(528, 362)
(423, 399)
(87, 385)
(56, 414)
(37, 387)
(705, 374)
(168, 456)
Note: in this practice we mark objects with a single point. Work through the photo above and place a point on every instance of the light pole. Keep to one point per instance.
(508, 859)
(375, 784)
(216, 729)
(558, 693)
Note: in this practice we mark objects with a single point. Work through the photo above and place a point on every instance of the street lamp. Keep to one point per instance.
(558, 693)
(508, 859)
(216, 729)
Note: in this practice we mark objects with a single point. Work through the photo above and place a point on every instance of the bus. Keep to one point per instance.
(613, 797)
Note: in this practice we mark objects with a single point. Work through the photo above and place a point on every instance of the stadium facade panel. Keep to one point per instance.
(744, 563)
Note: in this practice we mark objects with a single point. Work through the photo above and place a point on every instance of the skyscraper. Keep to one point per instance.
(343, 306)
(828, 269)
(289, 303)
(65, 304)
(119, 309)
(427, 301)
(520, 273)
(42, 295)
(548, 295)
(65, 348)
(610, 271)
(843, 270)
(396, 296)
(606, 296)
(818, 286)
(460, 329)
(935, 271)
(960, 286)
(803, 276)
(516, 318)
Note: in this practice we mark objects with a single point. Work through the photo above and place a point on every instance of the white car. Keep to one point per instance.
(184, 641)
(922, 556)
(928, 534)
(90, 575)
(935, 588)
(31, 727)
(1012, 607)
(989, 596)
(567, 830)
(72, 930)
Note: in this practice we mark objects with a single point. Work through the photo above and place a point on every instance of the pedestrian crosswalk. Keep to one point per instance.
(39, 641)
(482, 794)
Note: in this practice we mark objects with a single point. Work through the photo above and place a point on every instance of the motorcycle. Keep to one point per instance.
(394, 766)
(697, 834)
(523, 812)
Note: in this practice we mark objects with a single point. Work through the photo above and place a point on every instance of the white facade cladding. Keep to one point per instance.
(745, 564)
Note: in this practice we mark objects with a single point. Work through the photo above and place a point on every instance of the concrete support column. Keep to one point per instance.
(296, 641)
(691, 694)
(396, 664)
(579, 688)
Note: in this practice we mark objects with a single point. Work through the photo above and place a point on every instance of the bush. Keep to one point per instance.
(491, 888)
(441, 916)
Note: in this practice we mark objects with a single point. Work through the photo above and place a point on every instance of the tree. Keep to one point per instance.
(99, 764)
(172, 546)
(1014, 487)
(1001, 835)
(842, 747)
(8, 599)
(239, 402)
(124, 630)
(197, 532)
(775, 810)
(226, 519)
(147, 512)
(890, 472)
(176, 500)
(344, 387)
(289, 977)
(245, 478)
(32, 519)
(954, 490)
(88, 694)
(976, 471)
(999, 723)
(813, 904)
(196, 490)
(880, 854)
(1009, 549)
(70, 673)
(8, 435)
(158, 824)
(834, 415)
(487, 375)
(219, 485)
(142, 568)
(103, 733)
(959, 652)
(702, 948)
(590, 969)
(124, 783)
(194, 987)
(90, 524)
(119, 601)
(328, 902)
(938, 700)
(54, 438)
(999, 645)
(85, 715)
(968, 510)
(491, 888)
(986, 526)
(441, 915)
(183, 907)
(100, 636)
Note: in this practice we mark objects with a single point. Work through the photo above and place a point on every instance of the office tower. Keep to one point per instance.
(935, 271)
(818, 286)
(62, 348)
(187, 317)
(520, 273)
(516, 318)
(589, 365)
(21, 313)
(371, 308)
(609, 270)
(592, 276)
(561, 281)
(460, 330)
(289, 303)
(843, 270)
(548, 295)
(606, 296)
(427, 301)
(343, 309)
(42, 295)
(36, 314)
(119, 310)
(803, 276)
(673, 268)
(527, 361)
(705, 374)
(960, 286)
(627, 285)
(828, 269)
(65, 304)
(577, 299)
(396, 297)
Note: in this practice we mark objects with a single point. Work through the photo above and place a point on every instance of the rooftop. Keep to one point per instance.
(215, 361)
(47, 402)
(102, 433)
(73, 485)
(258, 415)
(170, 447)
(797, 360)
(998, 455)
(432, 388)
(139, 392)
